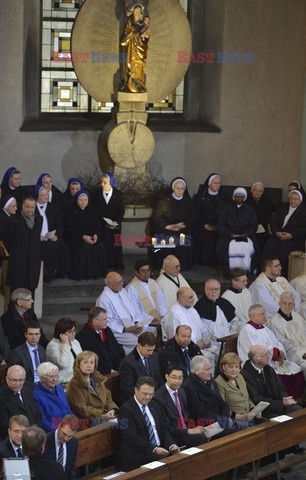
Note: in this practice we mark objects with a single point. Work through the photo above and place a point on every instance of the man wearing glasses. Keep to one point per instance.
(17, 398)
(18, 314)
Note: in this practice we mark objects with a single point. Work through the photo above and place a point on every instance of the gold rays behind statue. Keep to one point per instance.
(96, 33)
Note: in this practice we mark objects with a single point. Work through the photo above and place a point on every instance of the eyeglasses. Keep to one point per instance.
(52, 377)
(16, 380)
(173, 377)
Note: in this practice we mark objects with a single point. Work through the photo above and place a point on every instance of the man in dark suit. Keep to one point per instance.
(11, 447)
(264, 385)
(205, 403)
(23, 244)
(140, 362)
(18, 314)
(179, 350)
(17, 398)
(30, 354)
(172, 402)
(145, 437)
(97, 337)
(63, 439)
(33, 444)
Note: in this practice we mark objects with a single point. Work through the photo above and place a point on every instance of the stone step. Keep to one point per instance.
(66, 306)
(72, 288)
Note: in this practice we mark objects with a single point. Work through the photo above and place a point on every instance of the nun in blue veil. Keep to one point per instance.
(65, 199)
(83, 235)
(45, 179)
(10, 185)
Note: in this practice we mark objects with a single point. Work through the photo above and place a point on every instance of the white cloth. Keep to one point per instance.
(240, 254)
(291, 333)
(242, 302)
(50, 196)
(41, 207)
(249, 336)
(135, 299)
(290, 212)
(202, 330)
(60, 354)
(169, 288)
(179, 315)
(122, 313)
(107, 195)
(299, 284)
(267, 293)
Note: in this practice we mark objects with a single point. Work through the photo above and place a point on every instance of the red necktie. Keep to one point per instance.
(178, 406)
(103, 335)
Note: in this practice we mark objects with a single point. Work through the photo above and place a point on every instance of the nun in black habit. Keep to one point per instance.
(237, 227)
(109, 204)
(65, 199)
(10, 185)
(209, 202)
(173, 216)
(82, 233)
(46, 181)
(288, 228)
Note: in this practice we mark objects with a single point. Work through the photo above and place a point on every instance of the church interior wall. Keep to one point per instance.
(261, 108)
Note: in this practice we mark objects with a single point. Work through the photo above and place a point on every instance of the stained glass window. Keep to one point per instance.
(60, 90)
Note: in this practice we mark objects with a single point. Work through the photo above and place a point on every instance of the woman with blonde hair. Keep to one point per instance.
(86, 392)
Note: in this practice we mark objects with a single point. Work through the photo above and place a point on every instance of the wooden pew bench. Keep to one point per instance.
(215, 458)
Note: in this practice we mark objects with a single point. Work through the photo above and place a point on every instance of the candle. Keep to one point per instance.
(153, 241)
(163, 242)
(171, 241)
(182, 239)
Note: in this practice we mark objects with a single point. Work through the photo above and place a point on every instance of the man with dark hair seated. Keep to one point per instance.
(97, 337)
(18, 314)
(30, 354)
(145, 437)
(172, 402)
(61, 445)
(33, 445)
(143, 360)
(179, 350)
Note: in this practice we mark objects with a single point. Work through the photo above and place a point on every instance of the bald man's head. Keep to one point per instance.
(114, 281)
(185, 297)
(259, 356)
(15, 378)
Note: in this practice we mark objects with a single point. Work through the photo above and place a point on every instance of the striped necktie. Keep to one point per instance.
(147, 366)
(60, 456)
(150, 427)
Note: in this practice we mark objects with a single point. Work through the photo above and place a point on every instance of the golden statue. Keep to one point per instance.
(135, 40)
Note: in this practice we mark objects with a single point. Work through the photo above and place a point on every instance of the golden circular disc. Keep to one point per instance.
(131, 144)
(96, 35)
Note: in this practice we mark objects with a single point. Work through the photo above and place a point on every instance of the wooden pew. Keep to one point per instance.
(113, 386)
(216, 457)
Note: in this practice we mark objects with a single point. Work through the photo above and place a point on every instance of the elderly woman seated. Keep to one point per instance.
(86, 392)
(233, 389)
(63, 348)
(50, 397)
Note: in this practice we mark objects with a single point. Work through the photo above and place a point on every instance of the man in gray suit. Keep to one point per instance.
(30, 354)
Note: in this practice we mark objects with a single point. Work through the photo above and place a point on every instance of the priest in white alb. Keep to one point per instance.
(145, 292)
(125, 321)
(239, 295)
(269, 285)
(170, 280)
(290, 329)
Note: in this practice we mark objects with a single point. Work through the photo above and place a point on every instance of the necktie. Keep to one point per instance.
(146, 365)
(150, 427)
(178, 406)
(103, 335)
(60, 456)
(187, 360)
(36, 357)
(19, 452)
(18, 395)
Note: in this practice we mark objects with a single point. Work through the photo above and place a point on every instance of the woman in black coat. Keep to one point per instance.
(209, 202)
(174, 216)
(237, 228)
(82, 233)
(54, 252)
(109, 204)
(289, 230)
